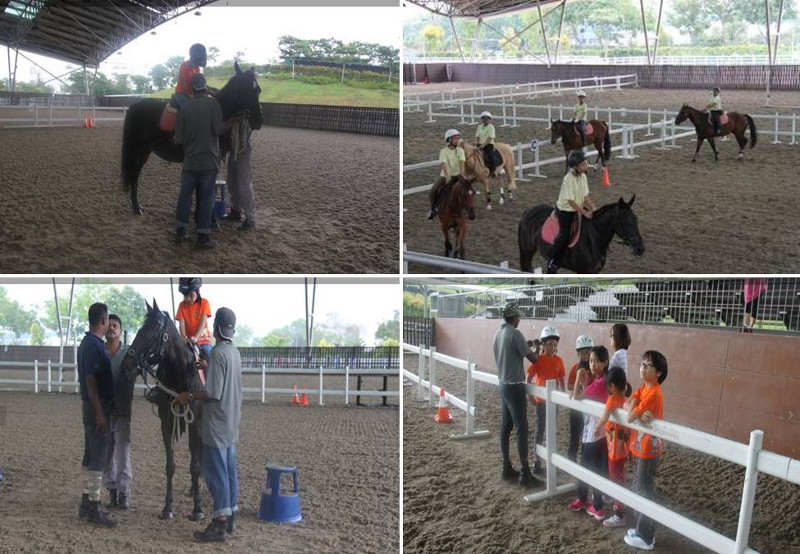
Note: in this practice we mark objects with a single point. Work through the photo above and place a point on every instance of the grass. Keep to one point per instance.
(295, 92)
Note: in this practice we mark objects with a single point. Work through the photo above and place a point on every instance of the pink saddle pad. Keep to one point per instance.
(589, 129)
(550, 230)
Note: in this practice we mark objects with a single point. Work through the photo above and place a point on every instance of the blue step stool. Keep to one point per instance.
(220, 199)
(280, 506)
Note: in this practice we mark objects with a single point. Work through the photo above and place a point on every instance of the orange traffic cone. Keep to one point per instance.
(305, 399)
(443, 413)
(86, 123)
(295, 397)
(91, 123)
(606, 179)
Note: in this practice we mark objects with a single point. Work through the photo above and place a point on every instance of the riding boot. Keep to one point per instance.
(509, 473)
(552, 266)
(83, 511)
(527, 479)
(124, 501)
(181, 234)
(97, 516)
(233, 215)
(112, 498)
(583, 136)
(215, 532)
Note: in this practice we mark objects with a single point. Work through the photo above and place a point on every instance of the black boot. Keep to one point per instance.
(527, 479)
(247, 225)
(181, 234)
(233, 215)
(124, 501)
(112, 498)
(205, 242)
(509, 473)
(231, 523)
(215, 532)
(83, 511)
(97, 516)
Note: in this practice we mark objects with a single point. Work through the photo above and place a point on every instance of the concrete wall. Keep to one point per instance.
(720, 382)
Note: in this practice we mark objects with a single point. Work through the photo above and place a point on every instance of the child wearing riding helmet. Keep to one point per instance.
(646, 404)
(548, 366)
(714, 108)
(617, 437)
(193, 314)
(580, 114)
(452, 159)
(484, 139)
(573, 199)
(591, 385)
(196, 61)
(620, 341)
(582, 346)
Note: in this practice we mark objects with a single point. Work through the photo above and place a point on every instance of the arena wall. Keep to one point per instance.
(784, 77)
(720, 382)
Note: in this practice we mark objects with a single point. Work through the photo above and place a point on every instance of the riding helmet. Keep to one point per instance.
(450, 133)
(486, 114)
(189, 284)
(549, 332)
(584, 341)
(581, 93)
(576, 157)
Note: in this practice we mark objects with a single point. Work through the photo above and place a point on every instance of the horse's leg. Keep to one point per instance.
(460, 238)
(196, 449)
(714, 148)
(165, 414)
(742, 140)
(488, 191)
(141, 159)
(448, 246)
(697, 150)
(502, 190)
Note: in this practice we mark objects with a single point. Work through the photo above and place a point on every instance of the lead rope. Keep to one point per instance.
(177, 412)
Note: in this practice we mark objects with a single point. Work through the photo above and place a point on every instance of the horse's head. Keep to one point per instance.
(467, 197)
(555, 130)
(683, 114)
(626, 226)
(241, 94)
(150, 343)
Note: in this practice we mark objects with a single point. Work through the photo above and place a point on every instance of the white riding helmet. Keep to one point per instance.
(549, 332)
(581, 93)
(450, 133)
(584, 341)
(486, 114)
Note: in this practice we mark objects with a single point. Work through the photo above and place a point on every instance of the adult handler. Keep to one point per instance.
(97, 396)
(510, 350)
(222, 414)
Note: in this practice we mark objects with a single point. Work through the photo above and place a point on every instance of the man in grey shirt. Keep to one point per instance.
(222, 413)
(117, 474)
(510, 351)
(198, 128)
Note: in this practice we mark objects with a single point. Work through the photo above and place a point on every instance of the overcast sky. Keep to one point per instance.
(254, 31)
(263, 307)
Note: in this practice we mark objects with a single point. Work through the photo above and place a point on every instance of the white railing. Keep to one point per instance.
(452, 264)
(567, 59)
(50, 383)
(751, 456)
(58, 116)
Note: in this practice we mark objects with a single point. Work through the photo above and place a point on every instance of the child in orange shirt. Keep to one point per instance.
(193, 314)
(646, 404)
(548, 366)
(583, 345)
(616, 437)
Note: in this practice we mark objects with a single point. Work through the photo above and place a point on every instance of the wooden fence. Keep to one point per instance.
(346, 119)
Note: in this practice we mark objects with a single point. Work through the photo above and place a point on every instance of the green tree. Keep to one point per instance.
(244, 336)
(212, 54)
(692, 17)
(611, 20)
(388, 330)
(338, 332)
(122, 83)
(413, 305)
(37, 334)
(273, 340)
(162, 77)
(433, 37)
(128, 304)
(173, 65)
(13, 316)
(141, 84)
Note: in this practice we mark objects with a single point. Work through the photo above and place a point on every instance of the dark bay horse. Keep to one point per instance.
(589, 254)
(737, 124)
(571, 138)
(141, 133)
(159, 351)
(456, 204)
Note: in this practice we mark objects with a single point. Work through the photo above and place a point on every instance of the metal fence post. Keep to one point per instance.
(749, 493)
(263, 381)
(321, 400)
(430, 112)
(649, 123)
(421, 372)
(49, 376)
(36, 376)
(550, 435)
(347, 385)
(432, 377)
(777, 137)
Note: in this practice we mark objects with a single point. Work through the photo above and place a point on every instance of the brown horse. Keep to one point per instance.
(571, 138)
(456, 204)
(737, 124)
(475, 166)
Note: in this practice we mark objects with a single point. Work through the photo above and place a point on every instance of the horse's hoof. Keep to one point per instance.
(197, 516)
(137, 210)
(502, 201)
(166, 514)
(488, 206)
(477, 193)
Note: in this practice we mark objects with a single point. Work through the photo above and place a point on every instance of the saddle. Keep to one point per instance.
(550, 230)
(589, 130)
(169, 116)
(723, 119)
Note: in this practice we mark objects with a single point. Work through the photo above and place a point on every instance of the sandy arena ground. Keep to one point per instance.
(455, 501)
(348, 477)
(705, 217)
(327, 203)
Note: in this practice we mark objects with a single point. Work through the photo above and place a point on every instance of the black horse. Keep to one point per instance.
(589, 255)
(159, 350)
(141, 133)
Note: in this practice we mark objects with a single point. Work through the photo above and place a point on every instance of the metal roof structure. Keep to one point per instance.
(83, 33)
(478, 8)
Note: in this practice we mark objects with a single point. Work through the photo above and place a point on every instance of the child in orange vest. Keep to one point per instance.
(617, 437)
(582, 346)
(548, 366)
(593, 448)
(646, 404)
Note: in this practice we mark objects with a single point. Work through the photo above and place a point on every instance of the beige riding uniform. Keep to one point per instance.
(485, 134)
(450, 157)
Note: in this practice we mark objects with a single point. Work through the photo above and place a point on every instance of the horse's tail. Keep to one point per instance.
(607, 145)
(128, 157)
(752, 125)
(529, 224)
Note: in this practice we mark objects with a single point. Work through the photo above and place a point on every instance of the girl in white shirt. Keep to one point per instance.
(620, 341)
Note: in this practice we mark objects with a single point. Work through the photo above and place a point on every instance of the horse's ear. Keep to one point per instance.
(633, 199)
(149, 309)
(622, 204)
(236, 68)
(155, 306)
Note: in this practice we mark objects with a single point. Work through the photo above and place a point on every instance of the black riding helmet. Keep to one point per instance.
(197, 54)
(189, 284)
(576, 157)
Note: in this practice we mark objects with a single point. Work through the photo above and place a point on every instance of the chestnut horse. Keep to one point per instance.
(475, 166)
(737, 124)
(456, 204)
(571, 138)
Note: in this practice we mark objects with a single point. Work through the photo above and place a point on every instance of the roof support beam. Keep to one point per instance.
(777, 34)
(476, 39)
(521, 48)
(544, 35)
(658, 30)
(560, 27)
(646, 41)
(12, 75)
(54, 77)
(455, 34)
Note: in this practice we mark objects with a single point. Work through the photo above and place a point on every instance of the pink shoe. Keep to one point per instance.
(597, 514)
(577, 505)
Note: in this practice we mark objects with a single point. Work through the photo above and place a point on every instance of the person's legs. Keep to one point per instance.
(205, 201)
(644, 485)
(215, 471)
(433, 196)
(565, 219)
(583, 488)
(582, 131)
(188, 180)
(98, 447)
(575, 431)
(599, 464)
(506, 425)
(122, 439)
(206, 349)
(110, 468)
(233, 479)
(244, 179)
(616, 472)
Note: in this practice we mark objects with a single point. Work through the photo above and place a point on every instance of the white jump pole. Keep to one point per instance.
(421, 373)
(346, 385)
(263, 382)
(321, 400)
(432, 399)
(471, 433)
(36, 376)
(649, 123)
(430, 112)
(794, 129)
(777, 137)
(749, 494)
(49, 376)
(550, 436)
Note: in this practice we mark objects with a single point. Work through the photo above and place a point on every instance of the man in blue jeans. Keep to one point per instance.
(222, 413)
(198, 128)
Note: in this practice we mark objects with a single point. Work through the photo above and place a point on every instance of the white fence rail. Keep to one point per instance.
(732, 59)
(751, 456)
(452, 264)
(59, 383)
(57, 116)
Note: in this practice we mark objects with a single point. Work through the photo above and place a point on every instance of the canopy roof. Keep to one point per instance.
(479, 8)
(84, 33)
